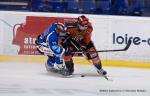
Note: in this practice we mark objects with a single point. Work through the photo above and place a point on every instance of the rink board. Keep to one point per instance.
(19, 30)
(77, 60)
(109, 32)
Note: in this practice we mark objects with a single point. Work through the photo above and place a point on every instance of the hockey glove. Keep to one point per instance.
(44, 50)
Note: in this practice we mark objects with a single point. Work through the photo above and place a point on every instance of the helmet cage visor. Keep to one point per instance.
(61, 30)
(83, 23)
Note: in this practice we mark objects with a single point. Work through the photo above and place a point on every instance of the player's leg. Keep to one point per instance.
(66, 69)
(69, 64)
(95, 58)
(59, 63)
(50, 64)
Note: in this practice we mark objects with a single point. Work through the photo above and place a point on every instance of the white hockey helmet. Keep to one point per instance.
(61, 29)
(82, 22)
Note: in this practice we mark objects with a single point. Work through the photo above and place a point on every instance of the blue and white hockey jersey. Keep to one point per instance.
(51, 39)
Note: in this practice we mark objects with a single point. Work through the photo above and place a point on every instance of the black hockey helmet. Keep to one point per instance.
(82, 22)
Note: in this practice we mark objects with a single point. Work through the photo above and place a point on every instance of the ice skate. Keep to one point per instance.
(50, 68)
(102, 72)
(65, 72)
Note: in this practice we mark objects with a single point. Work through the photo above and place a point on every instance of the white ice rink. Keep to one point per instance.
(30, 79)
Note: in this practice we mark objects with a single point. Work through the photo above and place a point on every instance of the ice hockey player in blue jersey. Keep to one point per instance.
(48, 44)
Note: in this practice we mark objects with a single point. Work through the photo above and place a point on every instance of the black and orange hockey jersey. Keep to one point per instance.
(80, 36)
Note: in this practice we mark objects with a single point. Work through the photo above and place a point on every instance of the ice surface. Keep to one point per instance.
(31, 79)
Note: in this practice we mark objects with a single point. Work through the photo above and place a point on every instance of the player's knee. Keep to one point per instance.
(67, 58)
(92, 53)
(59, 60)
(50, 60)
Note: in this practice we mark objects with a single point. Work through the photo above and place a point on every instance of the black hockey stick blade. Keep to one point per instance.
(124, 49)
(128, 45)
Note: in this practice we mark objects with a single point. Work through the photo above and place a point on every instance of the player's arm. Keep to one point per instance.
(41, 39)
(89, 34)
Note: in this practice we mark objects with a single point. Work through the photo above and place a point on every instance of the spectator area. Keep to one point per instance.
(15, 5)
(107, 7)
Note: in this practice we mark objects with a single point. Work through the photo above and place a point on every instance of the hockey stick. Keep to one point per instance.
(115, 50)
(105, 76)
(124, 49)
(79, 50)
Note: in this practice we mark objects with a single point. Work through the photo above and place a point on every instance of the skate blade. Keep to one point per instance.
(67, 76)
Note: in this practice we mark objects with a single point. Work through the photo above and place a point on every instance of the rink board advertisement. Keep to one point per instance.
(26, 33)
(18, 33)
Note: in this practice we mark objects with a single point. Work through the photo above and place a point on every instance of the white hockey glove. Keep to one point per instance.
(45, 50)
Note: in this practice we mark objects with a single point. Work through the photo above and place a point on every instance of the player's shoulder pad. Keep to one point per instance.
(54, 25)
